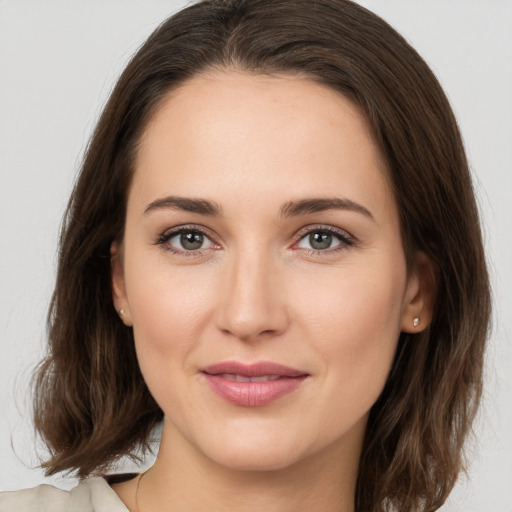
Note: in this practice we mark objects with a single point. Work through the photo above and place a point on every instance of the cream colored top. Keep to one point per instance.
(92, 495)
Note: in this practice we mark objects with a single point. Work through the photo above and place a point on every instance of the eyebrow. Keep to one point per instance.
(289, 209)
(200, 206)
(314, 205)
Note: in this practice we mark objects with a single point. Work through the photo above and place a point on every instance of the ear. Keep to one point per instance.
(420, 295)
(118, 286)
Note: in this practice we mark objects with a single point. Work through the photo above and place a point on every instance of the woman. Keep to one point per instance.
(261, 249)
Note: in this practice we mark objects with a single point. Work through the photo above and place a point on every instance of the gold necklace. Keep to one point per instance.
(137, 490)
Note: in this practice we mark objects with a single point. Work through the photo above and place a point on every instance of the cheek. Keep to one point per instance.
(169, 309)
(355, 321)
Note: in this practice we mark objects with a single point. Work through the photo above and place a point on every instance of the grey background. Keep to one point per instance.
(58, 62)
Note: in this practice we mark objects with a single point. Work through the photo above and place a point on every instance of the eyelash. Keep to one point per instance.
(192, 228)
(346, 240)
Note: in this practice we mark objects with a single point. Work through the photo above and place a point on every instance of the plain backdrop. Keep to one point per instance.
(58, 62)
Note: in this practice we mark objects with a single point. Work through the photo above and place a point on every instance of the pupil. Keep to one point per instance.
(191, 241)
(320, 240)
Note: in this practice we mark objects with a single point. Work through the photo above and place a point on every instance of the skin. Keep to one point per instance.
(257, 291)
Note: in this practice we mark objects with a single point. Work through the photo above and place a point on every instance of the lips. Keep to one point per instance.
(252, 385)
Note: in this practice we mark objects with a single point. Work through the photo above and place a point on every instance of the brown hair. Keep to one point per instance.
(91, 403)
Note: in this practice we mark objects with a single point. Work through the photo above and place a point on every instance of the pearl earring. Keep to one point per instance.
(121, 312)
(416, 321)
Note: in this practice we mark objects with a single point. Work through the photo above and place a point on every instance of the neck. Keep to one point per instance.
(182, 478)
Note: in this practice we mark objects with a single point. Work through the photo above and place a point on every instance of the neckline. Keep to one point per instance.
(101, 487)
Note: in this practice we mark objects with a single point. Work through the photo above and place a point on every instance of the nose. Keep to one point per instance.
(252, 304)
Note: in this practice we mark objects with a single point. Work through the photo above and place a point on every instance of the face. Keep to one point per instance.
(262, 269)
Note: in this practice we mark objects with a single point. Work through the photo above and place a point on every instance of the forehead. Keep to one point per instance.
(225, 131)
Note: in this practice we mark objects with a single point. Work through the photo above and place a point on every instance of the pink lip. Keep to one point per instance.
(252, 394)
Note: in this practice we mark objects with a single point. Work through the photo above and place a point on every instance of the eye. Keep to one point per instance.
(324, 239)
(188, 240)
(185, 240)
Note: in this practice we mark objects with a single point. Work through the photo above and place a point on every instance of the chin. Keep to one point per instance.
(263, 446)
(255, 458)
(257, 446)
(263, 449)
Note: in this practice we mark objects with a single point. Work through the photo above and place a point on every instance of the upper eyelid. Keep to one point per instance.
(187, 227)
(325, 227)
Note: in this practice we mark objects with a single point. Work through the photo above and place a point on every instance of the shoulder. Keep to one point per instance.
(92, 495)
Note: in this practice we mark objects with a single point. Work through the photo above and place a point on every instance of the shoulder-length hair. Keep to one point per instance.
(91, 403)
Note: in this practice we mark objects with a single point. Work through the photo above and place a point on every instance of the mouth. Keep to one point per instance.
(252, 385)
(243, 378)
